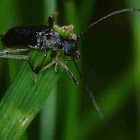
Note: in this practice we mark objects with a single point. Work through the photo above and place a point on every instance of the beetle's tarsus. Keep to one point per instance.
(34, 79)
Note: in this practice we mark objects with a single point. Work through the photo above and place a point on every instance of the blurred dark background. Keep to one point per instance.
(109, 62)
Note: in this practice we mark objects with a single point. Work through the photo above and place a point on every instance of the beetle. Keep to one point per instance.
(24, 38)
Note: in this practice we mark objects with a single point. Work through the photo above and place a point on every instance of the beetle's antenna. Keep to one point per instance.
(88, 90)
(109, 15)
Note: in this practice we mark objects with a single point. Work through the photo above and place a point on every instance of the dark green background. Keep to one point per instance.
(109, 62)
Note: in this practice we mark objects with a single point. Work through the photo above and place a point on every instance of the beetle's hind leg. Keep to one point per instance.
(25, 57)
(3, 54)
(9, 51)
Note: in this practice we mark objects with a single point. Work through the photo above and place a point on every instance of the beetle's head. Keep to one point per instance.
(70, 49)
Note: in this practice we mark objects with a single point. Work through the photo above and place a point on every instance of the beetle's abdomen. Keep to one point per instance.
(22, 36)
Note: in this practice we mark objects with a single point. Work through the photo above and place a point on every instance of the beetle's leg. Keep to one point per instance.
(56, 65)
(22, 57)
(26, 57)
(38, 68)
(8, 51)
(56, 61)
(53, 55)
(68, 70)
(66, 60)
(47, 66)
(35, 71)
(5, 52)
(64, 66)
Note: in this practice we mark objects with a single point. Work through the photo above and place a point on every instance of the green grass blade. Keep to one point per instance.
(48, 117)
(23, 101)
(86, 12)
(24, 136)
(48, 8)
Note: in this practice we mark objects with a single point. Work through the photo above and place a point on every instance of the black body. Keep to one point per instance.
(22, 36)
(39, 37)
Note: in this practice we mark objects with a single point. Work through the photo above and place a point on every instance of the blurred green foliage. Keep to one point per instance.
(109, 62)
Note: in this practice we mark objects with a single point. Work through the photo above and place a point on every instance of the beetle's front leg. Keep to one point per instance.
(38, 68)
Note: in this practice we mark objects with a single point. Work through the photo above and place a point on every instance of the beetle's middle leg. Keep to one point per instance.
(25, 57)
(56, 62)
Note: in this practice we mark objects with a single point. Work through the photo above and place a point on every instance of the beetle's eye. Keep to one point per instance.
(39, 41)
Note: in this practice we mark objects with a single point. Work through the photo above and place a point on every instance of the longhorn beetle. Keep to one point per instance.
(50, 37)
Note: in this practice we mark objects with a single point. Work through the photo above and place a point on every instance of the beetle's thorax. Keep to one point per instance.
(55, 41)
(70, 49)
(50, 40)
